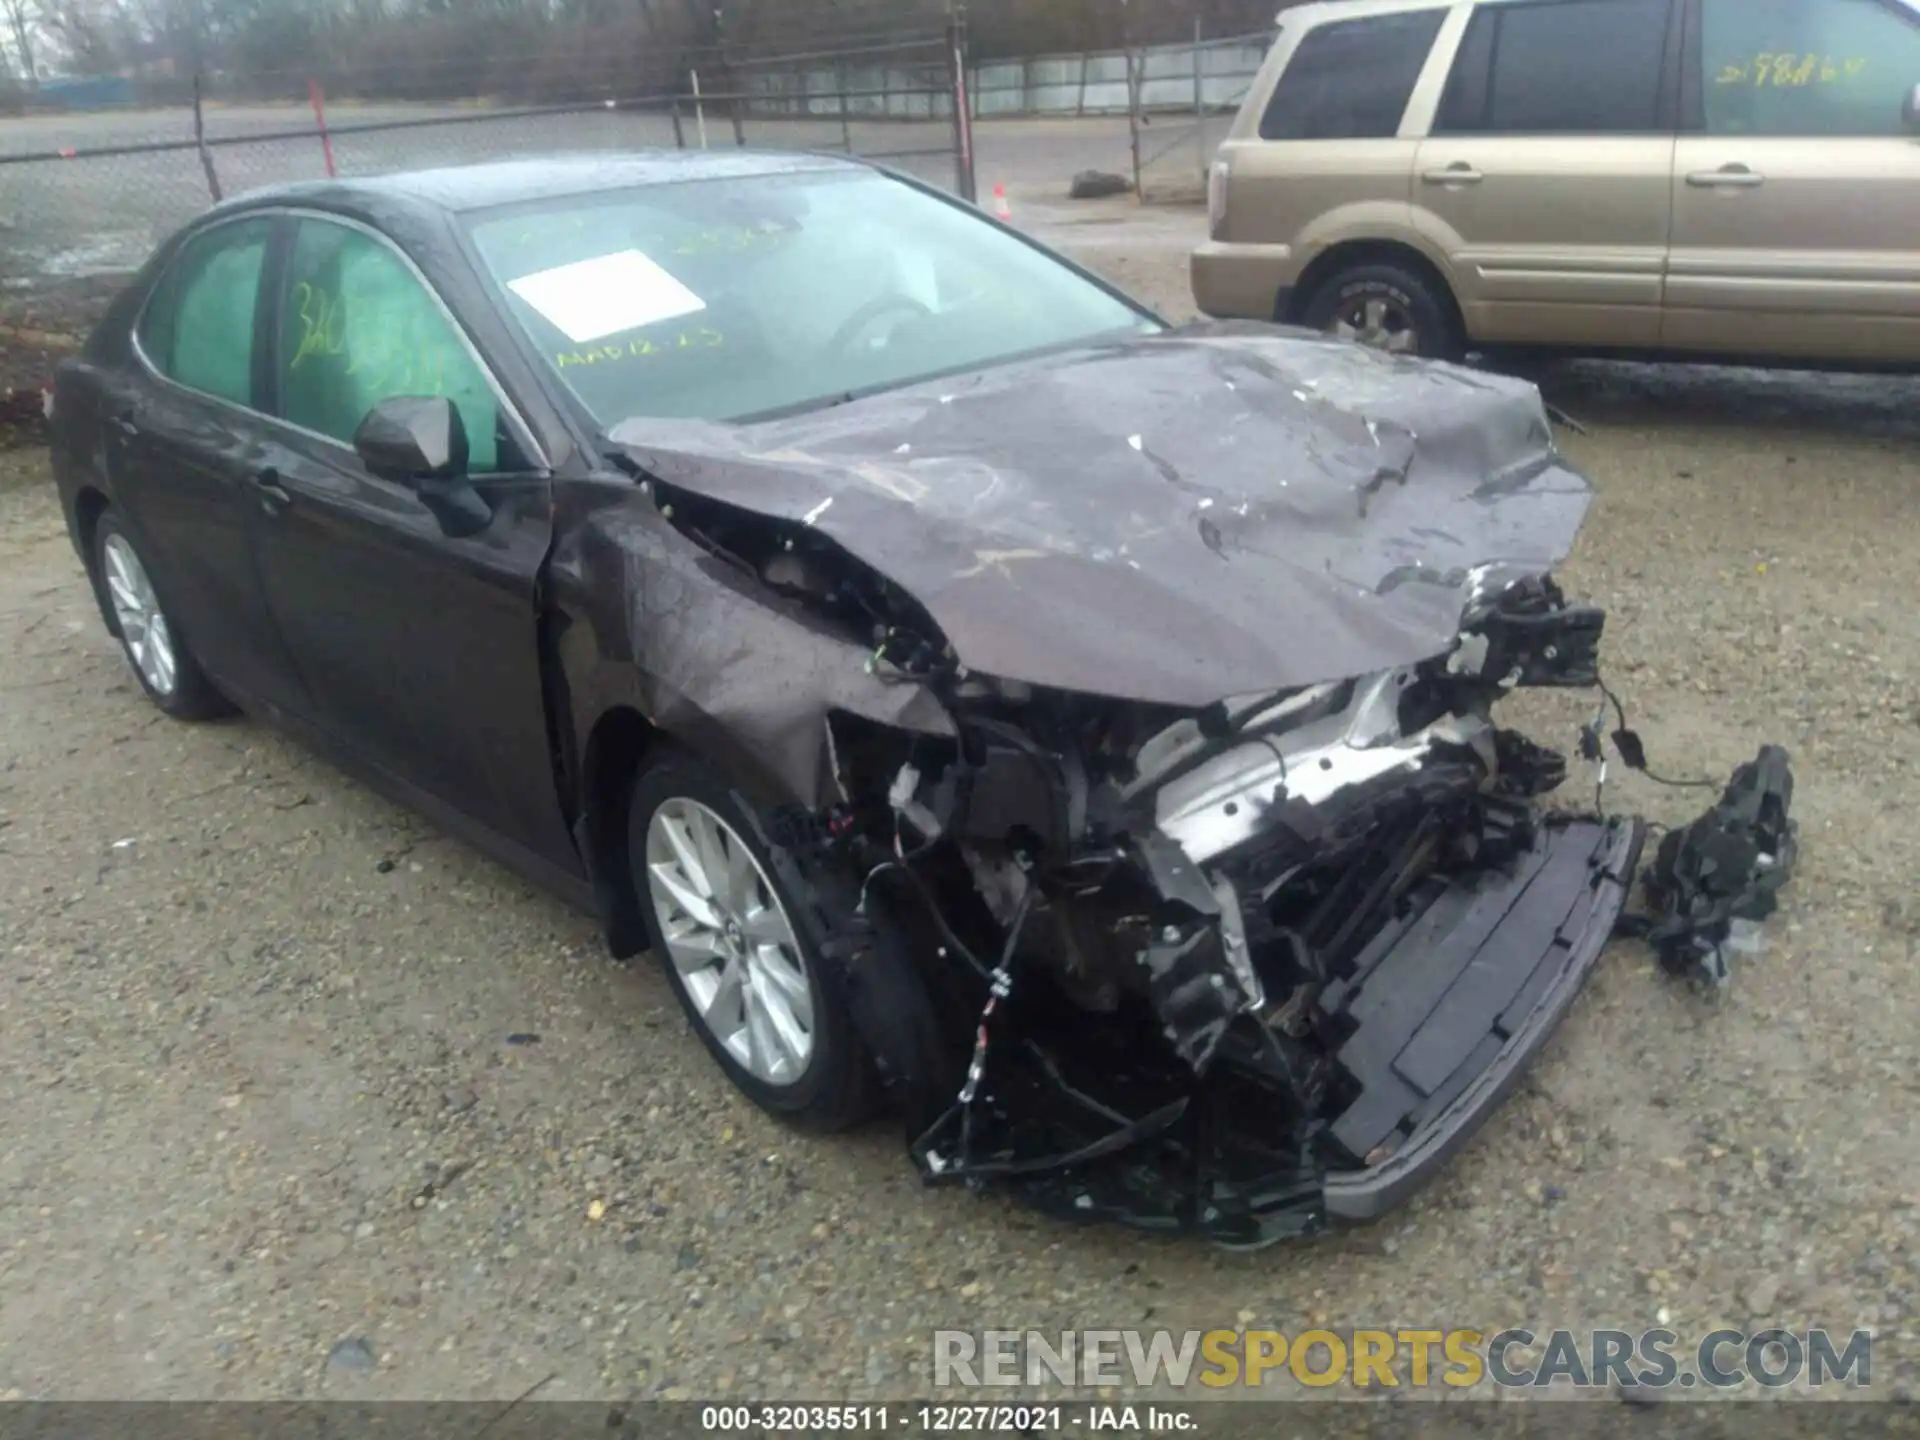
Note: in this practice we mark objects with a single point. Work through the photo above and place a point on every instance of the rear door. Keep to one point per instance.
(1797, 192)
(183, 440)
(421, 652)
(1547, 176)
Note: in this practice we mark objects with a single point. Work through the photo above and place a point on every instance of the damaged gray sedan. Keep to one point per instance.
(1074, 732)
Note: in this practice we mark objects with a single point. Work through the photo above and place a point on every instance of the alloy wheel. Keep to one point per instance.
(729, 938)
(1378, 323)
(143, 625)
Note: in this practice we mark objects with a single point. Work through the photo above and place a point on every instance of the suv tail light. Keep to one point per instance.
(1217, 198)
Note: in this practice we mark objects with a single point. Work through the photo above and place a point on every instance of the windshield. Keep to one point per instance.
(727, 299)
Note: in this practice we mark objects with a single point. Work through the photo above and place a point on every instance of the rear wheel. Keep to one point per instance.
(155, 650)
(1386, 307)
(733, 921)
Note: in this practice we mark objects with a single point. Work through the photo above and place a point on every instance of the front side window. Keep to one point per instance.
(1576, 67)
(198, 329)
(357, 326)
(725, 299)
(1352, 80)
(1807, 67)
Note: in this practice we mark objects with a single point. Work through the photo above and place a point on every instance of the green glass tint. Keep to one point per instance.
(358, 327)
(199, 327)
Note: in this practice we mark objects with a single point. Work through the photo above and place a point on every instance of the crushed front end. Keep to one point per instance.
(1243, 971)
(1243, 966)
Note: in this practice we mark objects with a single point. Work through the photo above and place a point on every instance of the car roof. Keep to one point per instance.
(548, 177)
(1317, 11)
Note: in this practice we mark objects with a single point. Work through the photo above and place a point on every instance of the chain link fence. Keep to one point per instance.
(1182, 102)
(86, 195)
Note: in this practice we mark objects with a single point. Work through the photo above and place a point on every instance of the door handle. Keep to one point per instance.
(274, 497)
(1729, 177)
(1458, 173)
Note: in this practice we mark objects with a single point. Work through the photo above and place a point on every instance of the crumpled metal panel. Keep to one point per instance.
(1177, 518)
(709, 655)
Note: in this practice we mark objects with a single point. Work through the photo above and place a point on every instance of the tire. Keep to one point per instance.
(825, 1084)
(156, 651)
(1389, 307)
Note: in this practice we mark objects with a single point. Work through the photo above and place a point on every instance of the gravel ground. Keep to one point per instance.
(304, 1099)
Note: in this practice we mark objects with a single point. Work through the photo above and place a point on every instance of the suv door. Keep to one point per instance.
(1796, 197)
(1547, 175)
(422, 652)
(183, 449)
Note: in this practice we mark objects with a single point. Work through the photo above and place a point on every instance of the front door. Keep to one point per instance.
(183, 437)
(1797, 196)
(421, 651)
(1546, 176)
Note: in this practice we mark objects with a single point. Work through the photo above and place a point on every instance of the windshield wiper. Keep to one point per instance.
(808, 407)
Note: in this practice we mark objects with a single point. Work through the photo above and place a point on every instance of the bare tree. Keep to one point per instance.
(22, 23)
(431, 49)
(93, 37)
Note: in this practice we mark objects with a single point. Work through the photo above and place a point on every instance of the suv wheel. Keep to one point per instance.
(735, 925)
(1385, 307)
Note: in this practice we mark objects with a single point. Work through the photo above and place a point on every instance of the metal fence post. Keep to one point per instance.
(962, 106)
(317, 98)
(1200, 95)
(679, 128)
(200, 142)
(846, 123)
(1136, 69)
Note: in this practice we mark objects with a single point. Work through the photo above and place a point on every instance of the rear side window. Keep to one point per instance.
(1807, 67)
(1573, 67)
(198, 328)
(1352, 80)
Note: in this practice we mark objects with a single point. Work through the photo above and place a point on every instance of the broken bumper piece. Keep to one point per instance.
(1723, 870)
(1442, 1011)
(1464, 999)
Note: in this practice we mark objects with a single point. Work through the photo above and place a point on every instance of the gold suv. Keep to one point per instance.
(1681, 179)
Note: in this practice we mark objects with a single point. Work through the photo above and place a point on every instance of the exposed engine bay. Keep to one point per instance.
(1184, 969)
(1243, 966)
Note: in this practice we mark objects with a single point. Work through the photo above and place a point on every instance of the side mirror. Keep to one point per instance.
(1910, 111)
(420, 441)
(410, 438)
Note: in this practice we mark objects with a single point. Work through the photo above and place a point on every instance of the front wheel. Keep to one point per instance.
(1386, 307)
(733, 921)
(155, 651)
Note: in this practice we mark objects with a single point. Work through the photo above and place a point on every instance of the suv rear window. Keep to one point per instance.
(1572, 67)
(1351, 80)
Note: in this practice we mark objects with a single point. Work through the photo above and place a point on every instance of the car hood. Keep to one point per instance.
(1180, 518)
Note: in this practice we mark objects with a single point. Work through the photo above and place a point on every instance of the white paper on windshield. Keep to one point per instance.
(606, 295)
(920, 280)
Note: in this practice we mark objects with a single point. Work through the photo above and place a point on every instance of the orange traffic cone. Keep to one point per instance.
(1001, 209)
